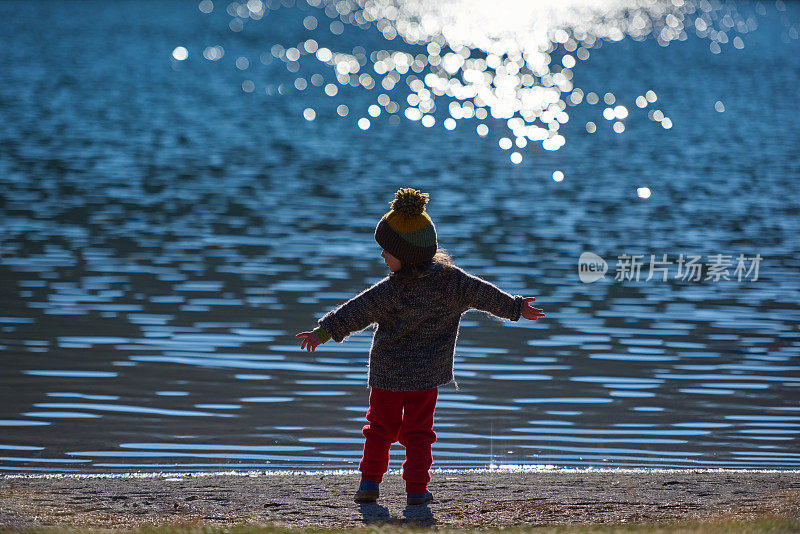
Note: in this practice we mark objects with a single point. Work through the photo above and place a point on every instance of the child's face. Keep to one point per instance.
(393, 263)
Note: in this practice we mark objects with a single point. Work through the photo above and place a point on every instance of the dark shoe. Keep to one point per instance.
(367, 492)
(366, 496)
(413, 499)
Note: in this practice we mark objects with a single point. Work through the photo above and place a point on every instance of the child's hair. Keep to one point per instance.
(417, 270)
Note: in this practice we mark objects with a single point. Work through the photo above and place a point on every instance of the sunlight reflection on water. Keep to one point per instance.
(489, 61)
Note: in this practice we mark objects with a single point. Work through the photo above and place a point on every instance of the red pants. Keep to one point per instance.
(406, 416)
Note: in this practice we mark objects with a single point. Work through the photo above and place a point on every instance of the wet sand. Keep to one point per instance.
(497, 498)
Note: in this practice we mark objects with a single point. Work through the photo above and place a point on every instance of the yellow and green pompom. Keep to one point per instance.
(410, 202)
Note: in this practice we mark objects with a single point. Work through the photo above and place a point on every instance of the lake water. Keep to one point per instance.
(184, 187)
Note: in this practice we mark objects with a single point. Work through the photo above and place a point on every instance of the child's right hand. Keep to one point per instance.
(310, 342)
(528, 311)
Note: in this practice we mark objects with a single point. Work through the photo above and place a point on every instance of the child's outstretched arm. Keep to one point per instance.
(366, 308)
(477, 293)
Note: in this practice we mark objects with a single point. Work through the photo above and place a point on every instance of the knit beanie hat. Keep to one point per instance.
(407, 232)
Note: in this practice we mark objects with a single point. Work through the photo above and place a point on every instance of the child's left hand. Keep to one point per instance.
(310, 342)
(528, 311)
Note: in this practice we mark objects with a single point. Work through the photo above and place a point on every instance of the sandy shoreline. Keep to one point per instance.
(494, 498)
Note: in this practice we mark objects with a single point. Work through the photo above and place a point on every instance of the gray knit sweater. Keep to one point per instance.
(414, 344)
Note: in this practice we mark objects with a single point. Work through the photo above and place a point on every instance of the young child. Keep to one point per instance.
(418, 307)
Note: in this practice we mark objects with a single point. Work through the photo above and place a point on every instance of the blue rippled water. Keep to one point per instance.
(184, 186)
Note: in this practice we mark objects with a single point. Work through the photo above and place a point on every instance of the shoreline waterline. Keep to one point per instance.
(329, 472)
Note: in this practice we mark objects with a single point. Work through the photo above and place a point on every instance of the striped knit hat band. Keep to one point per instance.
(407, 231)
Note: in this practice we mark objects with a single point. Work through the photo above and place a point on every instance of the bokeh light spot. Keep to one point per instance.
(413, 114)
(180, 53)
(213, 53)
